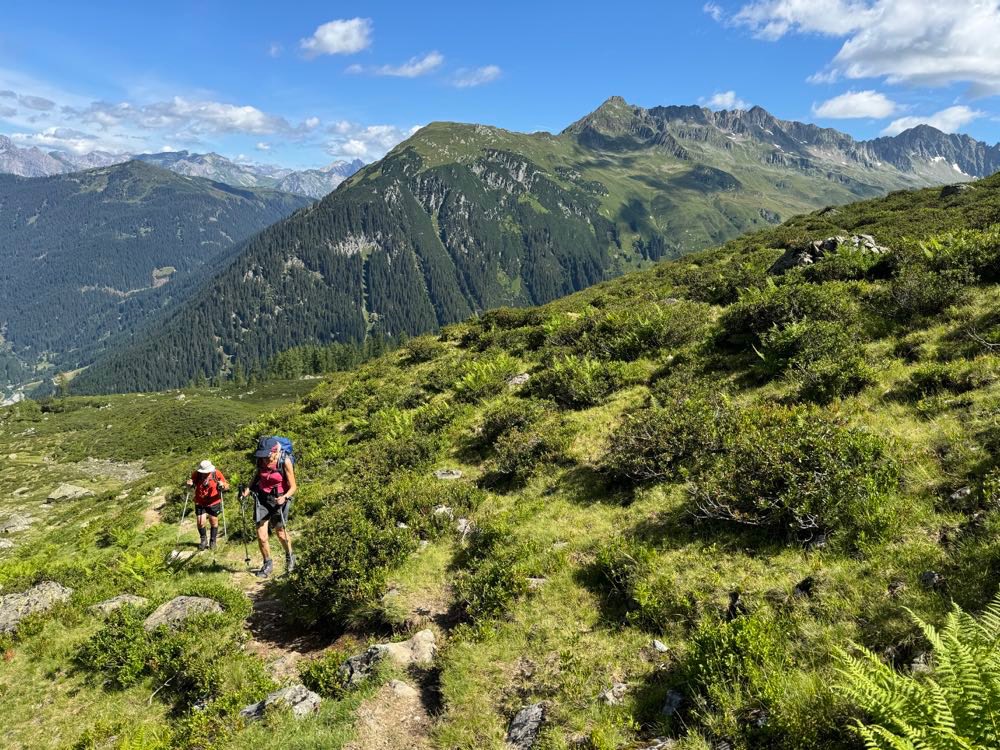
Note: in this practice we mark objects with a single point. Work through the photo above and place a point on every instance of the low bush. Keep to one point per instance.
(485, 376)
(324, 675)
(422, 349)
(917, 291)
(343, 563)
(668, 441)
(507, 414)
(519, 451)
(795, 470)
(495, 572)
(959, 376)
(645, 330)
(382, 458)
(578, 382)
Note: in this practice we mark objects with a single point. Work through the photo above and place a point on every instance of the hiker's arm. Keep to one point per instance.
(223, 482)
(290, 476)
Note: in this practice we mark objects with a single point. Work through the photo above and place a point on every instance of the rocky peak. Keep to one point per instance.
(5, 143)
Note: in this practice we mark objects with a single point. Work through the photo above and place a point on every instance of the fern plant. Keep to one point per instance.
(955, 707)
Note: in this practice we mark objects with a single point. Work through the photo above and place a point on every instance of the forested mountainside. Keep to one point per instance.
(464, 218)
(696, 507)
(90, 255)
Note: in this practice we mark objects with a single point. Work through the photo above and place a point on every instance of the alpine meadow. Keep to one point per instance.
(347, 407)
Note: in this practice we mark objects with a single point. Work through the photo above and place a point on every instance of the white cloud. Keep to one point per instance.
(726, 100)
(64, 139)
(714, 11)
(8, 94)
(867, 103)
(310, 123)
(469, 77)
(412, 68)
(948, 120)
(913, 42)
(274, 49)
(263, 146)
(366, 142)
(340, 37)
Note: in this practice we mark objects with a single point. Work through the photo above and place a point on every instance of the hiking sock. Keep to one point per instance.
(215, 535)
(204, 543)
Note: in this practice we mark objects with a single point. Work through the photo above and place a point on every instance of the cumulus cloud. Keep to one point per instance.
(262, 146)
(64, 139)
(725, 100)
(8, 94)
(947, 120)
(274, 49)
(912, 42)
(366, 142)
(469, 77)
(412, 68)
(867, 103)
(340, 37)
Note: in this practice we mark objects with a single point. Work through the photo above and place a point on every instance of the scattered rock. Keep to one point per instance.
(795, 257)
(536, 583)
(805, 588)
(447, 475)
(660, 646)
(16, 524)
(121, 471)
(21, 491)
(524, 727)
(401, 525)
(614, 695)
(444, 510)
(108, 606)
(949, 190)
(39, 598)
(896, 587)
(518, 380)
(672, 703)
(960, 494)
(419, 650)
(298, 698)
(463, 526)
(661, 743)
(931, 579)
(68, 492)
(177, 610)
(921, 664)
(6, 544)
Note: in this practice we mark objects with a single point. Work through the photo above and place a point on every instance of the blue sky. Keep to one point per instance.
(302, 83)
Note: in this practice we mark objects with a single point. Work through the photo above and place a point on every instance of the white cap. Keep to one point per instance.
(205, 467)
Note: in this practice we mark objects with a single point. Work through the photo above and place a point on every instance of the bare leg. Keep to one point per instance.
(285, 540)
(262, 542)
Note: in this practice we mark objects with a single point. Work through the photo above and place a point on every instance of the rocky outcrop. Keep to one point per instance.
(419, 650)
(40, 598)
(447, 475)
(811, 252)
(68, 492)
(179, 609)
(298, 698)
(108, 606)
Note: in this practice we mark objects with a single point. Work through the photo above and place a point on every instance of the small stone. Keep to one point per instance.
(108, 606)
(661, 743)
(614, 695)
(672, 703)
(524, 727)
(401, 525)
(6, 544)
(68, 492)
(660, 646)
(921, 664)
(931, 579)
(420, 650)
(443, 510)
(463, 526)
(21, 491)
(518, 380)
(896, 587)
(536, 583)
(16, 524)
(448, 475)
(960, 494)
(298, 698)
(177, 610)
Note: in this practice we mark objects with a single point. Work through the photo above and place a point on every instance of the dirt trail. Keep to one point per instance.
(396, 718)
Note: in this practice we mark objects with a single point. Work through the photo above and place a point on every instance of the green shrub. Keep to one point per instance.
(323, 675)
(121, 650)
(507, 414)
(918, 291)
(629, 333)
(343, 563)
(485, 376)
(410, 499)
(824, 379)
(667, 442)
(520, 450)
(422, 349)
(436, 416)
(953, 377)
(579, 382)
(495, 573)
(976, 252)
(847, 264)
(380, 459)
(797, 469)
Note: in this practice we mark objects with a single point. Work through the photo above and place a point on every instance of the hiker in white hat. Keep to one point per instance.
(208, 484)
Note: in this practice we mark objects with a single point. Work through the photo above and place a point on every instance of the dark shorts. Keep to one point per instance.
(212, 510)
(264, 511)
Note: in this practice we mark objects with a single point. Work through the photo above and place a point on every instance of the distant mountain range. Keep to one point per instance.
(463, 218)
(315, 183)
(92, 255)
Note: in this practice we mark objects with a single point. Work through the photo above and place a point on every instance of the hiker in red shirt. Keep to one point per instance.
(208, 484)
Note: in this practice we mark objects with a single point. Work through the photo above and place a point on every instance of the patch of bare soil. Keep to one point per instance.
(396, 718)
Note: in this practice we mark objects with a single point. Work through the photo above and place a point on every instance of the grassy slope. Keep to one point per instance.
(569, 639)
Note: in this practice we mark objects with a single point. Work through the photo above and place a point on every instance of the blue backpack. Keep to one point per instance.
(287, 451)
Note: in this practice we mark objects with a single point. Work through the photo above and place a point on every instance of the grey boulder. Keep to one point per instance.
(298, 698)
(177, 610)
(39, 598)
(420, 650)
(68, 492)
(108, 606)
(525, 726)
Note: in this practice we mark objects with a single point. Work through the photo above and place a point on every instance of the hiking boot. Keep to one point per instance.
(266, 569)
(202, 545)
(211, 545)
(289, 562)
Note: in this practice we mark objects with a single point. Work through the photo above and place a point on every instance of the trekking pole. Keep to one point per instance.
(222, 499)
(175, 553)
(243, 527)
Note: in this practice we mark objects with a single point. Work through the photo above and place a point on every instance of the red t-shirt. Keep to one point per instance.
(206, 487)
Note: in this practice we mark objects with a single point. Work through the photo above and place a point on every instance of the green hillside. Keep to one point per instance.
(460, 219)
(91, 255)
(719, 473)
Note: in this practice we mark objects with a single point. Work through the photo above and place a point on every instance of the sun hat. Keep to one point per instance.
(267, 448)
(205, 467)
